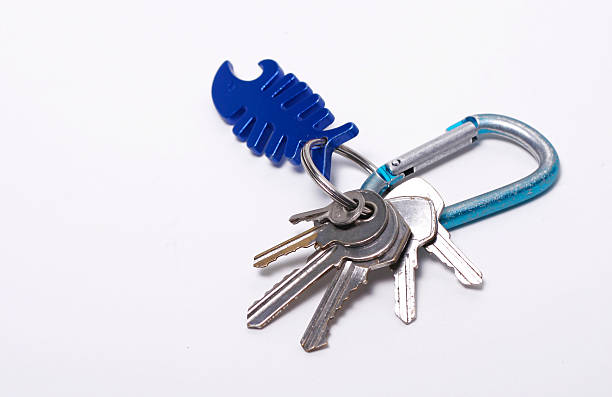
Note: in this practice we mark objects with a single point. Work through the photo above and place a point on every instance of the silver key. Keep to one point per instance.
(266, 309)
(420, 214)
(334, 212)
(352, 275)
(442, 247)
(263, 311)
(326, 233)
(347, 279)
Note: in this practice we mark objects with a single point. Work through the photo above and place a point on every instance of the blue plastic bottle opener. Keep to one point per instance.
(462, 135)
(276, 114)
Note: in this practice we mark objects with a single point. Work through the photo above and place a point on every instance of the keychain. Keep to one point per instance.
(276, 114)
(380, 225)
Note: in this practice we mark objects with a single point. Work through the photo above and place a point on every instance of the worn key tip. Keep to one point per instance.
(406, 317)
(254, 325)
(310, 347)
(473, 279)
(261, 263)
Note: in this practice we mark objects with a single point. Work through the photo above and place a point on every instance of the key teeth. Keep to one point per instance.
(262, 325)
(269, 319)
(302, 240)
(322, 342)
(272, 317)
(263, 263)
(271, 289)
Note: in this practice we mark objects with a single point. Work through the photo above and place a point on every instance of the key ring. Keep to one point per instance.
(323, 182)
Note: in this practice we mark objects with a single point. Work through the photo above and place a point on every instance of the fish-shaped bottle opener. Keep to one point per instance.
(277, 114)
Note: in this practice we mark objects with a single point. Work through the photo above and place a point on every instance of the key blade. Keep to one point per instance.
(355, 262)
(311, 215)
(347, 279)
(405, 285)
(302, 240)
(263, 311)
(466, 272)
(420, 214)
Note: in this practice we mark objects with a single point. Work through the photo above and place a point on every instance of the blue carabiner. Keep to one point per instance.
(464, 134)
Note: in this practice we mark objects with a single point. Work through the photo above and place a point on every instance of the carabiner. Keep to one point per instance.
(462, 135)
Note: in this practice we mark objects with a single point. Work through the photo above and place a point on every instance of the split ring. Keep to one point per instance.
(325, 184)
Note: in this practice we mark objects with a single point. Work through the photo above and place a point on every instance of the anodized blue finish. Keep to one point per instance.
(379, 181)
(498, 200)
(388, 177)
(536, 183)
(515, 193)
(276, 114)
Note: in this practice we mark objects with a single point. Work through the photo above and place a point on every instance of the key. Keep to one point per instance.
(442, 247)
(348, 279)
(320, 233)
(420, 214)
(263, 311)
(325, 233)
(351, 275)
(334, 212)
(266, 309)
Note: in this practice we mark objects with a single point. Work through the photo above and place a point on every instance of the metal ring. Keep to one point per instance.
(325, 184)
(361, 161)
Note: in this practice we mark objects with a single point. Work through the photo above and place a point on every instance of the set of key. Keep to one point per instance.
(378, 233)
(422, 213)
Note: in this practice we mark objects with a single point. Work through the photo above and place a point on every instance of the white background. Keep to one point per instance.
(130, 214)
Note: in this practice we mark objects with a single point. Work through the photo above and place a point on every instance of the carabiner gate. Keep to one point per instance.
(464, 134)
